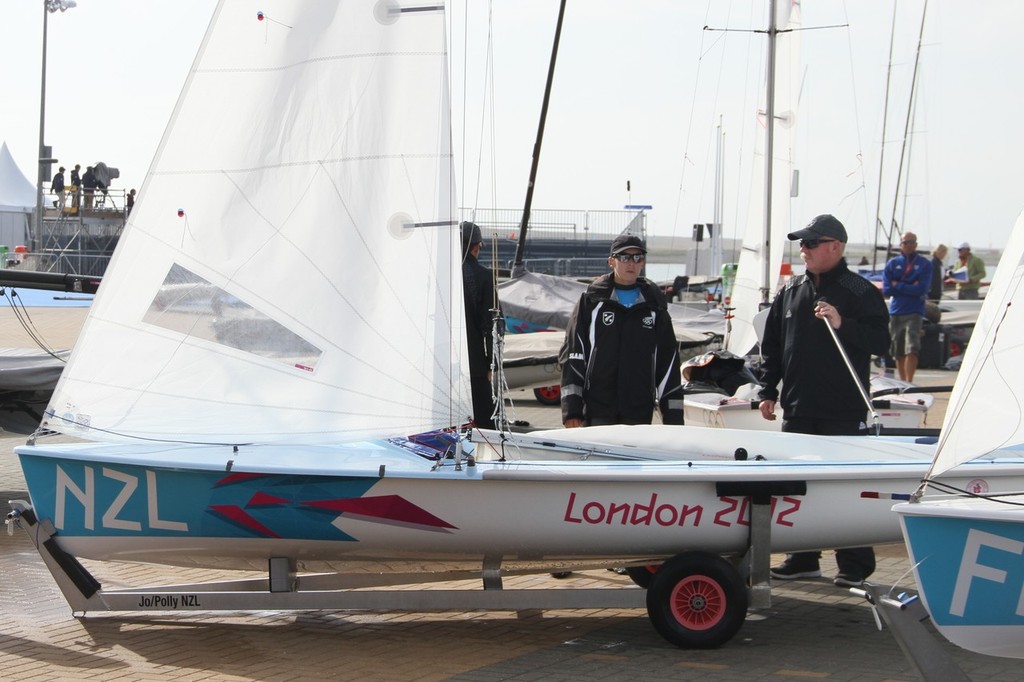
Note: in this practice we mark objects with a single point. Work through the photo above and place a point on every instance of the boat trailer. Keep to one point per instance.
(694, 599)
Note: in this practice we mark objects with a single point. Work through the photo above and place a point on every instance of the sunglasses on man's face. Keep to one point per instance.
(814, 243)
(626, 257)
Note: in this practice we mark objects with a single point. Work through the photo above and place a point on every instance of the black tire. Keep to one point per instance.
(641, 575)
(697, 600)
(548, 395)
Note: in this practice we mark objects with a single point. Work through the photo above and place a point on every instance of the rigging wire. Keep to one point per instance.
(25, 320)
(859, 168)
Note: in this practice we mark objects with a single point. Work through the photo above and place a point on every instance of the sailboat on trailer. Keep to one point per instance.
(285, 305)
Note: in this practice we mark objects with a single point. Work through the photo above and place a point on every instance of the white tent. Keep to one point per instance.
(17, 202)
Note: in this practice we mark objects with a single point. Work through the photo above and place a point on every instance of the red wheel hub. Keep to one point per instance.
(698, 602)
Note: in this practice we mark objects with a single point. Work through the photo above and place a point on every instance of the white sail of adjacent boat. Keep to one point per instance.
(291, 269)
(760, 260)
(985, 409)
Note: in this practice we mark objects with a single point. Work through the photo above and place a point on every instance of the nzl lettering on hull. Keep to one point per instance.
(86, 498)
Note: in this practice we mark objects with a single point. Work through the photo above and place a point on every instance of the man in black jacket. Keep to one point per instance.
(620, 355)
(478, 293)
(818, 393)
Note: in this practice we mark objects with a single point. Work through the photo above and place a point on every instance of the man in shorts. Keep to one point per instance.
(907, 279)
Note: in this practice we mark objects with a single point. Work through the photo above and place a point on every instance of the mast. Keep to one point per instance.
(517, 267)
(881, 156)
(769, 152)
(906, 125)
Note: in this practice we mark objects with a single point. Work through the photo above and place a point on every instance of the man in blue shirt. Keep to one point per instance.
(907, 279)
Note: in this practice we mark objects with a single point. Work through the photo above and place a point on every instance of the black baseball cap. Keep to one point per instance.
(822, 227)
(627, 241)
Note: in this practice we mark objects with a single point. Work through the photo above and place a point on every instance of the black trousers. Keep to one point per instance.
(854, 561)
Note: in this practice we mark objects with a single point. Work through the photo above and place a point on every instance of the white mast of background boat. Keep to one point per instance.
(761, 256)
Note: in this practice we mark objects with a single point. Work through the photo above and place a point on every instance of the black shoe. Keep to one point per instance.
(792, 571)
(561, 574)
(847, 580)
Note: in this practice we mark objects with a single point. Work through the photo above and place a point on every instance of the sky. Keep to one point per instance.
(639, 90)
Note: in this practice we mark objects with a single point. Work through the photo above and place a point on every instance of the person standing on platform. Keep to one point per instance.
(57, 187)
(76, 185)
(968, 273)
(480, 301)
(906, 280)
(620, 357)
(89, 185)
(827, 309)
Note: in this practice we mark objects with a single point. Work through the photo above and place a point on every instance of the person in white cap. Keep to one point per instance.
(967, 273)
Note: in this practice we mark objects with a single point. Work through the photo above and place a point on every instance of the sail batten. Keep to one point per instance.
(290, 272)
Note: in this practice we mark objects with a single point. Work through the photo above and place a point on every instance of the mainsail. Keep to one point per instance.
(760, 259)
(290, 271)
(985, 410)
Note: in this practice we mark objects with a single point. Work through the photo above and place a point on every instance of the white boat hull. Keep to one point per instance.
(967, 557)
(382, 503)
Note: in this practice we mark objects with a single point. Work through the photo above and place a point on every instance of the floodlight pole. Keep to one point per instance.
(40, 173)
(49, 7)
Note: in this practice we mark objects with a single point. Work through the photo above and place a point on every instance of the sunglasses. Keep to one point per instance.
(626, 257)
(907, 242)
(814, 243)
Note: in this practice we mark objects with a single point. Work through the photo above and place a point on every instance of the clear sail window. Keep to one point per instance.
(188, 304)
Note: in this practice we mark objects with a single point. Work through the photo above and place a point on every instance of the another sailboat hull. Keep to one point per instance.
(967, 557)
(380, 505)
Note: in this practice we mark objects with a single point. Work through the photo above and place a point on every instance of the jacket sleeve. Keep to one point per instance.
(887, 281)
(919, 287)
(771, 351)
(666, 371)
(976, 270)
(573, 358)
(867, 326)
(488, 300)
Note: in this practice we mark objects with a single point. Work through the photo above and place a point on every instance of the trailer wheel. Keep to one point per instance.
(697, 600)
(641, 575)
(548, 395)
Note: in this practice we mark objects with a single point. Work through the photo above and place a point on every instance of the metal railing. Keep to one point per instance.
(563, 242)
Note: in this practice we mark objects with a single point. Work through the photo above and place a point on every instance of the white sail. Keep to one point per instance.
(984, 411)
(760, 259)
(291, 269)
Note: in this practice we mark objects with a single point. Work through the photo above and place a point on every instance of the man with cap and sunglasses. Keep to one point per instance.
(819, 395)
(620, 355)
(479, 298)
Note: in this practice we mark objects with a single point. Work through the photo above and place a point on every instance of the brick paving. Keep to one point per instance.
(813, 631)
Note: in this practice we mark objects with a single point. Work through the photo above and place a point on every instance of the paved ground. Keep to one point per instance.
(813, 630)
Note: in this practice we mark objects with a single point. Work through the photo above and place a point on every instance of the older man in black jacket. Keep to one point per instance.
(819, 395)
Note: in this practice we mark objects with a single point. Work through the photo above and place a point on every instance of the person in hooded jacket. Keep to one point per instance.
(479, 298)
(620, 357)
